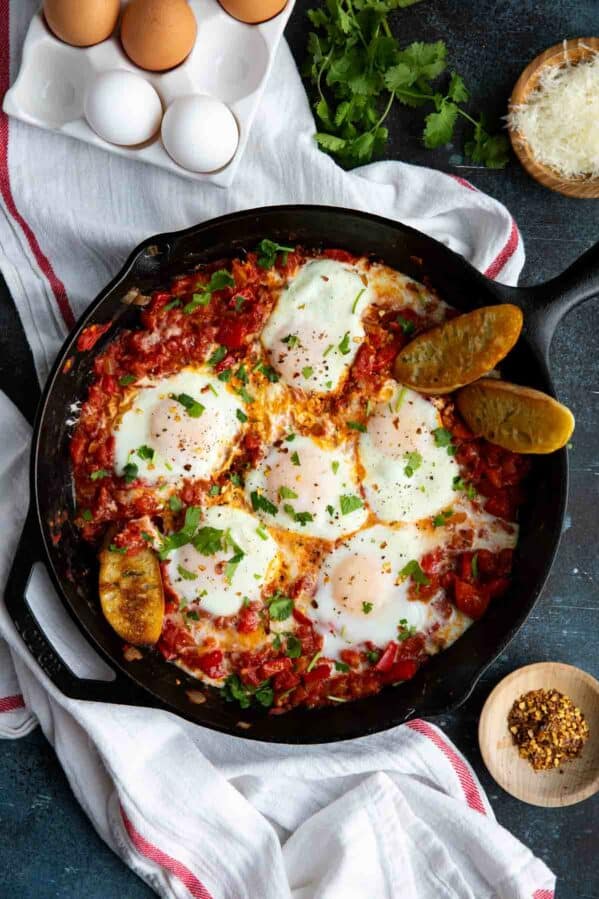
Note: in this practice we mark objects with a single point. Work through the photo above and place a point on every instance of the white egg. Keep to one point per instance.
(315, 329)
(361, 595)
(123, 108)
(168, 437)
(200, 133)
(220, 583)
(407, 475)
(314, 490)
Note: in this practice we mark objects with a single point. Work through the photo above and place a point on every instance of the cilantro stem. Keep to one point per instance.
(386, 112)
(386, 28)
(466, 116)
(350, 10)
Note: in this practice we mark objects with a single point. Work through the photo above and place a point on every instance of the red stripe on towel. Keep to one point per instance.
(471, 791)
(11, 703)
(543, 894)
(151, 852)
(5, 189)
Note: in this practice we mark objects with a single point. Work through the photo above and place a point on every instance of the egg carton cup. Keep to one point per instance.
(230, 61)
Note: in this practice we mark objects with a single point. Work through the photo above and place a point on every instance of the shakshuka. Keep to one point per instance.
(321, 529)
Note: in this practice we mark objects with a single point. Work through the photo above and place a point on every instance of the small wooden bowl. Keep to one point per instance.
(575, 780)
(568, 51)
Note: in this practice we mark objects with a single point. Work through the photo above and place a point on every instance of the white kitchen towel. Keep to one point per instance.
(194, 812)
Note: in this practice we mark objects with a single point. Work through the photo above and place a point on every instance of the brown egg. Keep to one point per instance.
(82, 22)
(253, 11)
(158, 34)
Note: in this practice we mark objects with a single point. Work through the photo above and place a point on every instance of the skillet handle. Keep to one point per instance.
(544, 305)
(30, 551)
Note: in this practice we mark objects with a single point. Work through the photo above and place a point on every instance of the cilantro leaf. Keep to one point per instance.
(268, 251)
(439, 125)
(208, 541)
(349, 503)
(280, 607)
(261, 504)
(193, 408)
(412, 569)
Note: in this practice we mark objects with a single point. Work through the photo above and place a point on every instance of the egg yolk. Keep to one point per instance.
(356, 580)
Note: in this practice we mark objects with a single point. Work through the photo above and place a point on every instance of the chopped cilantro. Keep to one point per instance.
(239, 301)
(209, 541)
(290, 437)
(232, 563)
(121, 550)
(268, 251)
(406, 326)
(357, 299)
(245, 396)
(301, 517)
(331, 511)
(356, 426)
(367, 607)
(262, 533)
(224, 375)
(236, 691)
(235, 479)
(474, 566)
(295, 458)
(349, 503)
(172, 305)
(344, 346)
(287, 493)
(335, 467)
(193, 408)
(87, 515)
(130, 471)
(268, 372)
(192, 616)
(197, 300)
(126, 380)
(217, 356)
(373, 656)
(214, 490)
(175, 503)
(280, 607)
(293, 647)
(99, 474)
(442, 436)
(330, 347)
(241, 416)
(404, 631)
(292, 340)
(261, 504)
(413, 462)
(341, 666)
(412, 569)
(442, 518)
(185, 574)
(145, 452)
(242, 374)
(459, 483)
(307, 371)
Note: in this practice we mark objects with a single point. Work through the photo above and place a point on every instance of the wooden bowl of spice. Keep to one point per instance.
(553, 118)
(539, 734)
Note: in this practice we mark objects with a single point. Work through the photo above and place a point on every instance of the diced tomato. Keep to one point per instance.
(388, 657)
(320, 672)
(274, 666)
(173, 639)
(90, 336)
(500, 506)
(248, 621)
(210, 663)
(404, 669)
(351, 657)
(412, 648)
(285, 680)
(339, 255)
(465, 566)
(431, 562)
(78, 448)
(469, 599)
(300, 617)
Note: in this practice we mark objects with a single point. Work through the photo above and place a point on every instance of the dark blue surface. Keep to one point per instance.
(48, 847)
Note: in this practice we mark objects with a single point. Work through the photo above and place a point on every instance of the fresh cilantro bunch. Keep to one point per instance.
(359, 71)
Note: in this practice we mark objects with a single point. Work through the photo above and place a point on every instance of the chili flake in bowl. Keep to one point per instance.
(547, 728)
(543, 718)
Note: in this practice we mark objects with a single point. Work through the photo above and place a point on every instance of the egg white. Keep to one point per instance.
(396, 491)
(320, 478)
(365, 569)
(184, 446)
(210, 587)
(315, 329)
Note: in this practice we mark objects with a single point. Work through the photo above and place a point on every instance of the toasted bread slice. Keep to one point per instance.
(131, 595)
(460, 350)
(517, 418)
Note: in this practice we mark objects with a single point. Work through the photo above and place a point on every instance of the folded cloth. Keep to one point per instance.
(398, 814)
(191, 811)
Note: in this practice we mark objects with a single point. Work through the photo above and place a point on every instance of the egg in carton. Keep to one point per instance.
(230, 62)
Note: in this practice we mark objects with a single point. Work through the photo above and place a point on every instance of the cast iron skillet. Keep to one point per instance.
(448, 679)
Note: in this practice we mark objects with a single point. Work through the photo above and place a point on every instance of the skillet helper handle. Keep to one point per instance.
(545, 305)
(30, 551)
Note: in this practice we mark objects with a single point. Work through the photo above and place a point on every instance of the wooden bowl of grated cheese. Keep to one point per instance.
(553, 118)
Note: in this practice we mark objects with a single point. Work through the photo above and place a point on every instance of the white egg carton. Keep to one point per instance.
(230, 61)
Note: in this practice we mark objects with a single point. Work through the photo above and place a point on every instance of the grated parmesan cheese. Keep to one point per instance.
(560, 119)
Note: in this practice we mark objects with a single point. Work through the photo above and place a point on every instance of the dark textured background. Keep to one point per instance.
(48, 847)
